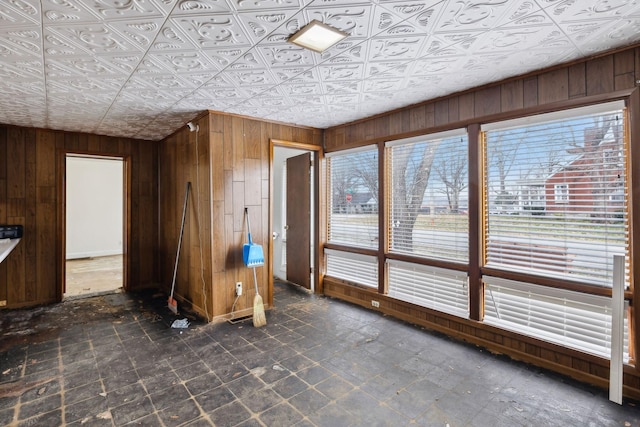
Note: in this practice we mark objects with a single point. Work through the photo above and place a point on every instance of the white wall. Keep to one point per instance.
(94, 207)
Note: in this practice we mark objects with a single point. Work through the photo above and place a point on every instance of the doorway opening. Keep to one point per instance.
(293, 221)
(94, 228)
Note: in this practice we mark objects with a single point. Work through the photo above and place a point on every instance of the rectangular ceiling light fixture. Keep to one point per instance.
(317, 36)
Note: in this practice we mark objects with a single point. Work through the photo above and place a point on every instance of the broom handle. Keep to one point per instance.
(255, 280)
(184, 213)
(246, 214)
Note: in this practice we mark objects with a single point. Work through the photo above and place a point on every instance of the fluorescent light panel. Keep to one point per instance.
(317, 36)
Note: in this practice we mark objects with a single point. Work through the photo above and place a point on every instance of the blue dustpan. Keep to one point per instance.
(252, 254)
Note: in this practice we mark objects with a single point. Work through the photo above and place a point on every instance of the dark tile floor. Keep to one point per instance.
(114, 360)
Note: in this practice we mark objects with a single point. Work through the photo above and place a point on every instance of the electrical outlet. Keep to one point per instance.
(375, 303)
(238, 288)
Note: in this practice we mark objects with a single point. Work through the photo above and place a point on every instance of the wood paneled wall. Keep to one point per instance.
(600, 76)
(232, 171)
(31, 194)
(593, 79)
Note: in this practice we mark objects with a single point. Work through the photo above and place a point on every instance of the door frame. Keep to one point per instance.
(62, 214)
(316, 155)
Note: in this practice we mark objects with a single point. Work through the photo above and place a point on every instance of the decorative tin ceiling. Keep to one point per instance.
(143, 68)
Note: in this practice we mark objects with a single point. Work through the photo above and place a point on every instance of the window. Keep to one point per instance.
(583, 220)
(572, 319)
(353, 197)
(429, 196)
(561, 192)
(432, 287)
(356, 268)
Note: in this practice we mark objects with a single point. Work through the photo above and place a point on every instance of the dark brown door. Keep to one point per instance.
(298, 220)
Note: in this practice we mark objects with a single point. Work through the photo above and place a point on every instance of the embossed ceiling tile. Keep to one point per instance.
(126, 63)
(567, 11)
(593, 36)
(94, 38)
(157, 81)
(150, 65)
(83, 66)
(384, 84)
(24, 87)
(287, 55)
(254, 78)
(226, 56)
(297, 75)
(618, 33)
(347, 51)
(247, 5)
(269, 102)
(197, 103)
(212, 31)
(387, 69)
(306, 89)
(97, 84)
(20, 42)
(162, 98)
(524, 14)
(56, 11)
(191, 7)
(220, 80)
(341, 72)
(343, 87)
(343, 99)
(141, 32)
(19, 13)
(55, 45)
(477, 15)
(28, 69)
(171, 38)
(510, 39)
(353, 19)
(118, 9)
(396, 48)
(421, 15)
(194, 62)
(260, 23)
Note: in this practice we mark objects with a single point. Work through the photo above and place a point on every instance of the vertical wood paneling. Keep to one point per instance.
(31, 195)
(553, 86)
(237, 164)
(487, 101)
(511, 96)
(530, 92)
(600, 75)
(577, 80)
(624, 70)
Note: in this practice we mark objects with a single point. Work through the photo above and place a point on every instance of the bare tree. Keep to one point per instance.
(411, 170)
(503, 154)
(452, 171)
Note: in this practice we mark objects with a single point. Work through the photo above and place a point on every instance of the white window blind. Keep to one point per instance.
(429, 195)
(353, 197)
(556, 194)
(572, 319)
(437, 288)
(356, 268)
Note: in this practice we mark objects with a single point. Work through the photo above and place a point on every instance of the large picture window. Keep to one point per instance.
(575, 161)
(429, 196)
(353, 197)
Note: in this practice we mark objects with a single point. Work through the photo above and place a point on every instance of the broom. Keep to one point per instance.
(172, 303)
(253, 257)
